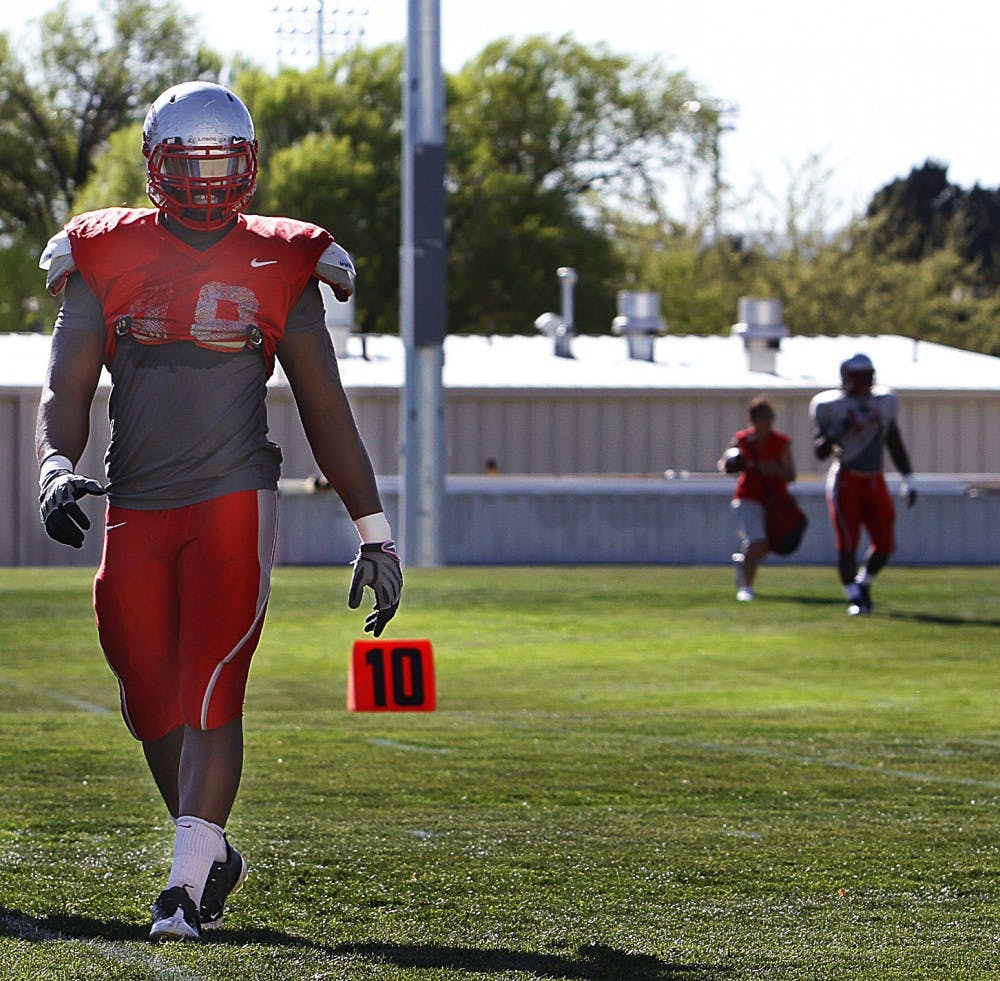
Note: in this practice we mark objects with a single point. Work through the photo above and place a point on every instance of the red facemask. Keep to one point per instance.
(202, 187)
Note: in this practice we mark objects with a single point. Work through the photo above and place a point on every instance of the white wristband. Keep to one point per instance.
(53, 463)
(373, 528)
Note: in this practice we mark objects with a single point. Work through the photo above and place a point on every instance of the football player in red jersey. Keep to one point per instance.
(762, 456)
(855, 425)
(188, 305)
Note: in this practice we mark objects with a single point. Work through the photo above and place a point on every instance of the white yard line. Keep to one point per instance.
(774, 754)
(390, 744)
(57, 696)
(835, 764)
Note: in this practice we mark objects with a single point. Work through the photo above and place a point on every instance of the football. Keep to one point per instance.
(733, 461)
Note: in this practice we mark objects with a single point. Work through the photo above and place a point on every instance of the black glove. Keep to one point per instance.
(378, 566)
(62, 517)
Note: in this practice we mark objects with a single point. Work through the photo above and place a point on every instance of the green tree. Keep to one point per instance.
(909, 217)
(330, 153)
(912, 218)
(539, 133)
(119, 175)
(68, 88)
(974, 234)
(699, 282)
(936, 248)
(840, 289)
(536, 133)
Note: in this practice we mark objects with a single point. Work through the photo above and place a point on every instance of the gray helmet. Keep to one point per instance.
(201, 154)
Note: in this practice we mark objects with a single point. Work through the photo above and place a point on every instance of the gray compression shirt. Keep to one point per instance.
(187, 424)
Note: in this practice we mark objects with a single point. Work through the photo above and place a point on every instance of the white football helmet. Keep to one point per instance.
(201, 154)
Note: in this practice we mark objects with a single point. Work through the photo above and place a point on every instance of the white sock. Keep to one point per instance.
(852, 591)
(862, 578)
(197, 844)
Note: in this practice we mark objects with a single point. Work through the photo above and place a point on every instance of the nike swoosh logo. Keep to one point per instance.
(257, 263)
(121, 524)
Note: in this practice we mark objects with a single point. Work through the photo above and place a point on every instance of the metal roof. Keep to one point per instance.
(680, 362)
(691, 362)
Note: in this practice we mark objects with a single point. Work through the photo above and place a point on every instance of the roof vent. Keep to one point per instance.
(560, 327)
(761, 328)
(640, 321)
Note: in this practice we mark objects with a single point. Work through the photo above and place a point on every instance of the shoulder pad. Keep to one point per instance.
(888, 398)
(336, 268)
(823, 399)
(57, 259)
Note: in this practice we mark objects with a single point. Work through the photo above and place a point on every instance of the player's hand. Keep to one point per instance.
(377, 565)
(732, 461)
(62, 517)
(823, 447)
(908, 492)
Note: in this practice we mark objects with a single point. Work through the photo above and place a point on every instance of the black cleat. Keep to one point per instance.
(861, 605)
(865, 599)
(175, 916)
(224, 880)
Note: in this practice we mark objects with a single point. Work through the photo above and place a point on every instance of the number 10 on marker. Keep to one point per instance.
(393, 676)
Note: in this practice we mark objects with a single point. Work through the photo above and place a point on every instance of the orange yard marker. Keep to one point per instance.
(391, 676)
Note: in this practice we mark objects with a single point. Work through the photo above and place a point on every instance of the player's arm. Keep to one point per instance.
(310, 364)
(901, 459)
(74, 369)
(75, 357)
(62, 429)
(785, 465)
(823, 438)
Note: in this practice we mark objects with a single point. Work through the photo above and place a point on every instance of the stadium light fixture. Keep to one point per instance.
(308, 33)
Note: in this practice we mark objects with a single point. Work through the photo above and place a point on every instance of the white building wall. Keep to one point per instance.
(542, 430)
(640, 432)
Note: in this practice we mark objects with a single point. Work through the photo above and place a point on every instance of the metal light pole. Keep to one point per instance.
(423, 288)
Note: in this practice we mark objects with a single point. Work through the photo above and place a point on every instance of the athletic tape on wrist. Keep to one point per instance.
(373, 528)
(53, 463)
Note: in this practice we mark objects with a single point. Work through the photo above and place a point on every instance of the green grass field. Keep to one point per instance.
(629, 776)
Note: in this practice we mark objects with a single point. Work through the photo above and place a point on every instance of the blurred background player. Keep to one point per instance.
(188, 304)
(856, 424)
(762, 456)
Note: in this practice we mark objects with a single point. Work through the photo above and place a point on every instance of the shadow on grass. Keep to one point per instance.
(23, 926)
(801, 600)
(593, 962)
(939, 618)
(912, 616)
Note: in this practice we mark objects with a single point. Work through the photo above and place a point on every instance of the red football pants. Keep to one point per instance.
(180, 599)
(857, 500)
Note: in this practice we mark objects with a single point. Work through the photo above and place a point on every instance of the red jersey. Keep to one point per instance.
(751, 486)
(159, 289)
